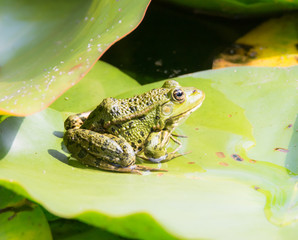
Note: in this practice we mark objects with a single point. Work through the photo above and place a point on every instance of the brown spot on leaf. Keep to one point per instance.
(281, 150)
(290, 125)
(256, 187)
(237, 157)
(193, 177)
(191, 162)
(230, 115)
(252, 161)
(223, 164)
(220, 154)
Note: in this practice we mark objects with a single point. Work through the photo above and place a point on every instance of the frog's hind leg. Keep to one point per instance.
(76, 120)
(104, 151)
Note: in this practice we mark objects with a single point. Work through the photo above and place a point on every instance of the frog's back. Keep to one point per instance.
(128, 108)
(112, 110)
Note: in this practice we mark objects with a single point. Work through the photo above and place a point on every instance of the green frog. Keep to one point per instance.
(118, 130)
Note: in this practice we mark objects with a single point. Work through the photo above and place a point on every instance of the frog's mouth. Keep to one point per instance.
(175, 120)
(187, 113)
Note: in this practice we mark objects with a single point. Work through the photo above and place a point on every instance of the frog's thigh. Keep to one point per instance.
(104, 151)
(155, 146)
(76, 120)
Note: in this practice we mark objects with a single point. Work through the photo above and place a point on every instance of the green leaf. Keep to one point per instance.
(239, 8)
(3, 117)
(242, 170)
(21, 219)
(48, 46)
(101, 82)
(75, 230)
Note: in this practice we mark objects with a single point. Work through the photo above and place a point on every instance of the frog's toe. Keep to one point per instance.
(130, 169)
(137, 169)
(144, 168)
(178, 135)
(154, 160)
(174, 155)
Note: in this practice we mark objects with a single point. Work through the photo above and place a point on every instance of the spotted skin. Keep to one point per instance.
(92, 148)
(76, 121)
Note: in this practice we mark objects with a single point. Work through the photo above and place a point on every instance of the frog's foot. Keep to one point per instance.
(144, 168)
(178, 142)
(177, 135)
(162, 155)
(76, 121)
(154, 160)
(137, 169)
(173, 155)
(165, 158)
(111, 167)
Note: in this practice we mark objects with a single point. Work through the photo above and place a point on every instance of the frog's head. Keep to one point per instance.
(182, 102)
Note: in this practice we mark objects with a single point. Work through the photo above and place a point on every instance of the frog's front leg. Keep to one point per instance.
(104, 151)
(155, 147)
(76, 120)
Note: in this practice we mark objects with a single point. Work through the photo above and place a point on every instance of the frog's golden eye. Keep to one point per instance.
(179, 95)
(167, 109)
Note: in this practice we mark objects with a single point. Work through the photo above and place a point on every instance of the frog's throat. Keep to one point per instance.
(182, 116)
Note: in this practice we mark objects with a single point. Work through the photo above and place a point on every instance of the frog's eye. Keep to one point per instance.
(178, 95)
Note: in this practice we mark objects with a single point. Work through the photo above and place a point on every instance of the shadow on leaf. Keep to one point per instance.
(58, 155)
(8, 131)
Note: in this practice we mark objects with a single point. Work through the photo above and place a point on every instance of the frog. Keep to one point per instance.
(118, 131)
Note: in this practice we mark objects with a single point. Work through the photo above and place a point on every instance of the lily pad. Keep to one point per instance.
(242, 170)
(272, 44)
(21, 219)
(48, 46)
(63, 229)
